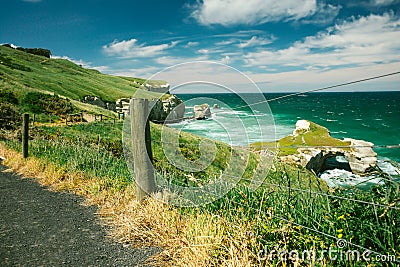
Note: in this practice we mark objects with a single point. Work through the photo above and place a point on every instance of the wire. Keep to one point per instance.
(316, 90)
(303, 226)
(302, 190)
(291, 146)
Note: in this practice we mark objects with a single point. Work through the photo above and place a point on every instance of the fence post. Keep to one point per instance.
(101, 117)
(141, 145)
(25, 134)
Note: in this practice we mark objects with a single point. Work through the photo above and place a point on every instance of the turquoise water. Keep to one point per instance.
(370, 116)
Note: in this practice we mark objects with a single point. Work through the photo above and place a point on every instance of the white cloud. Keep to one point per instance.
(251, 12)
(77, 62)
(144, 72)
(83, 63)
(304, 80)
(171, 61)
(203, 51)
(365, 40)
(227, 42)
(383, 2)
(131, 48)
(325, 15)
(255, 41)
(191, 44)
(226, 60)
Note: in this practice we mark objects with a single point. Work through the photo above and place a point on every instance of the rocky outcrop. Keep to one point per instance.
(162, 88)
(122, 105)
(361, 156)
(94, 100)
(356, 156)
(97, 101)
(171, 108)
(202, 112)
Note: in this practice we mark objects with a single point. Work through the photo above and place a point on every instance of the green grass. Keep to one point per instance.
(22, 72)
(316, 136)
(281, 214)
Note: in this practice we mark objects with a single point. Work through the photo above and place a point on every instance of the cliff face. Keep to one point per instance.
(170, 109)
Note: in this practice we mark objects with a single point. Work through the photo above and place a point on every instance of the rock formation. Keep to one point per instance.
(202, 112)
(94, 100)
(356, 156)
(157, 86)
(97, 101)
(171, 107)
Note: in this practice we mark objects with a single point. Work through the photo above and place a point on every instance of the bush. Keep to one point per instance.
(7, 96)
(10, 116)
(42, 103)
(36, 51)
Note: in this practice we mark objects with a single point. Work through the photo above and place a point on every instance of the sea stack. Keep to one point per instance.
(202, 112)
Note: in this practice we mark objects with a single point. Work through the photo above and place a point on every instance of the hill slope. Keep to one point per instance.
(22, 72)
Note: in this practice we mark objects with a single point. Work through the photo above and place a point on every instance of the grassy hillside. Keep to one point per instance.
(21, 72)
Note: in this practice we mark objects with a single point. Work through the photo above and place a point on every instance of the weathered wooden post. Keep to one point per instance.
(101, 117)
(141, 145)
(25, 134)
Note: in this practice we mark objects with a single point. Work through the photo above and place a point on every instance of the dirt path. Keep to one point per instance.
(39, 227)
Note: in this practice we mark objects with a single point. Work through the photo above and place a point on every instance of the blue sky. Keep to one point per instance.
(285, 45)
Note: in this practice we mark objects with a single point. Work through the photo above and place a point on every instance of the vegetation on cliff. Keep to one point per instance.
(316, 136)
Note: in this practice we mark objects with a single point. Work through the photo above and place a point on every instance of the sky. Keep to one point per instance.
(283, 46)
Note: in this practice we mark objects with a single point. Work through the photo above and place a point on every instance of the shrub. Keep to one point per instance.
(10, 116)
(7, 96)
(42, 103)
(36, 51)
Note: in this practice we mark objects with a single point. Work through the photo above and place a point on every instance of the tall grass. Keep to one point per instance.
(292, 210)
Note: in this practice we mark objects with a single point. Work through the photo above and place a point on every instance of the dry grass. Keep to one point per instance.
(187, 240)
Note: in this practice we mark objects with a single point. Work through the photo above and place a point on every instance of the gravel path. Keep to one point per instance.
(39, 227)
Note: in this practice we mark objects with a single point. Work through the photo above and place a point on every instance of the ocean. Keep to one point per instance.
(242, 119)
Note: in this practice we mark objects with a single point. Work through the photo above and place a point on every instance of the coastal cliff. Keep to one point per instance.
(311, 146)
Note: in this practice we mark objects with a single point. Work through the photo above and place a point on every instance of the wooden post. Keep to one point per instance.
(101, 117)
(141, 144)
(81, 116)
(34, 119)
(25, 134)
(66, 119)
